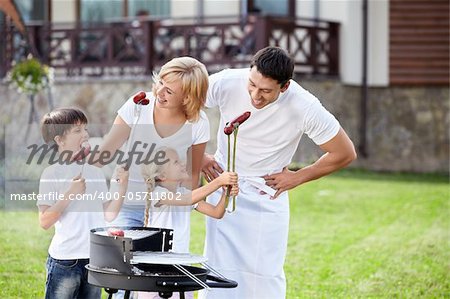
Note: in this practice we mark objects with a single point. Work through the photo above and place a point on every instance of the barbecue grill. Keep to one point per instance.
(141, 260)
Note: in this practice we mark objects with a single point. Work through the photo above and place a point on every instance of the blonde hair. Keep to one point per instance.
(194, 83)
(150, 173)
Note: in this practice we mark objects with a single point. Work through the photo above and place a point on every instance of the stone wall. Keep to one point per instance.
(407, 128)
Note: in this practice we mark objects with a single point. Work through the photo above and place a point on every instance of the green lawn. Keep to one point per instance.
(352, 235)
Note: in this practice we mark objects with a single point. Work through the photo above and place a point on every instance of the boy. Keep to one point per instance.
(74, 213)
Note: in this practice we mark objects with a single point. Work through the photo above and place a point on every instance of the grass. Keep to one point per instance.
(352, 235)
(23, 250)
(370, 236)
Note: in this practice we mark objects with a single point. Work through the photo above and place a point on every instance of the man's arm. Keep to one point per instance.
(339, 152)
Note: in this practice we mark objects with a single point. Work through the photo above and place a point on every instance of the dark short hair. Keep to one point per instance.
(60, 121)
(275, 63)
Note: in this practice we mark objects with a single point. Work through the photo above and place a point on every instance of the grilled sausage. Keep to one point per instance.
(115, 232)
(229, 128)
(139, 99)
(82, 152)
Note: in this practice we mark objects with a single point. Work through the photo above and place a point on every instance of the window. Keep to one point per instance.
(101, 10)
(111, 10)
(272, 7)
(159, 8)
(36, 10)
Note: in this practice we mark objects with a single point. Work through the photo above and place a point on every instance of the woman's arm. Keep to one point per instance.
(119, 133)
(196, 152)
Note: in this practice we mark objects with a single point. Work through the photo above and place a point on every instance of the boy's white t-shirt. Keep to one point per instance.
(268, 140)
(191, 133)
(72, 230)
(177, 218)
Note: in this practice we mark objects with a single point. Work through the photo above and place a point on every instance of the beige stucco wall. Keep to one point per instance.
(221, 7)
(63, 11)
(183, 8)
(349, 14)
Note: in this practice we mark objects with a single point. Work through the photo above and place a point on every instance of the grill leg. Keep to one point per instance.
(165, 294)
(182, 295)
(127, 294)
(110, 292)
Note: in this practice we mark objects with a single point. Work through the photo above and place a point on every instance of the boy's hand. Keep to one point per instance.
(234, 191)
(227, 178)
(77, 186)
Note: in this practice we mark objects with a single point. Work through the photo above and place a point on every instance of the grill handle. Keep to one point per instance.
(211, 281)
(220, 282)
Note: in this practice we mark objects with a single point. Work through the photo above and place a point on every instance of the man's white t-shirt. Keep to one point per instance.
(191, 133)
(177, 218)
(72, 230)
(268, 140)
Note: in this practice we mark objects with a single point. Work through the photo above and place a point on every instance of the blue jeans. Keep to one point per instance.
(130, 215)
(68, 279)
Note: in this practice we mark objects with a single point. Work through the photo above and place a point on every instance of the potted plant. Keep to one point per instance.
(30, 76)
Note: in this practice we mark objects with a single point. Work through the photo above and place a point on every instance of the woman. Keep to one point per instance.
(172, 118)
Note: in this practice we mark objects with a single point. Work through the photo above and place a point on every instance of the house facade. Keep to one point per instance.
(388, 83)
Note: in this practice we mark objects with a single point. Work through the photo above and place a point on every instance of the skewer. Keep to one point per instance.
(82, 168)
(233, 127)
(140, 100)
(137, 116)
(81, 154)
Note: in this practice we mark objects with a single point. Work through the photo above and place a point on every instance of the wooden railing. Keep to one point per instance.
(138, 48)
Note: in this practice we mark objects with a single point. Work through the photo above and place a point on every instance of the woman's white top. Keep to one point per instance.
(147, 141)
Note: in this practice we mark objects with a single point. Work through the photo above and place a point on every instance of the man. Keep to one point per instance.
(249, 245)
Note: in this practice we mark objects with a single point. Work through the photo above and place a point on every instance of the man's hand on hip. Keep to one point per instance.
(282, 181)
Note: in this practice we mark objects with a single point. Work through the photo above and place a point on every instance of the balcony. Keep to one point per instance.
(138, 48)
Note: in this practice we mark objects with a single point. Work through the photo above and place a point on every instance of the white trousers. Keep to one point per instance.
(249, 245)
